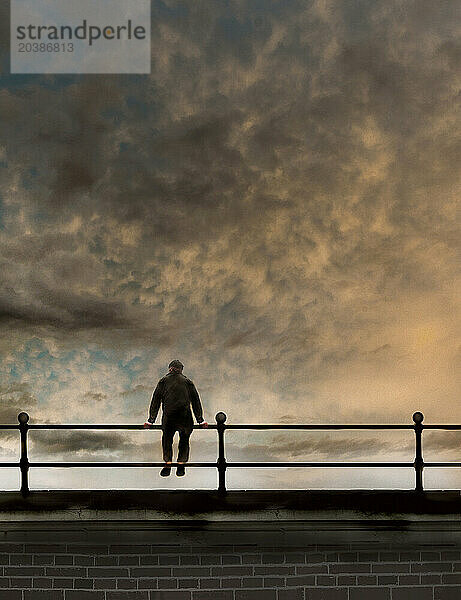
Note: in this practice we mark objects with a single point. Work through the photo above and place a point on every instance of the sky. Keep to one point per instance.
(276, 205)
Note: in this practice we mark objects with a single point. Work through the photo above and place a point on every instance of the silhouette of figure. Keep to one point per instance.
(176, 393)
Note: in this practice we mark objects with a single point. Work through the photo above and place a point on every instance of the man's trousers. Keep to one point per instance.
(169, 428)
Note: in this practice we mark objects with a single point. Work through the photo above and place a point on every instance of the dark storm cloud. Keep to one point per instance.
(63, 311)
(361, 449)
(325, 448)
(442, 441)
(77, 442)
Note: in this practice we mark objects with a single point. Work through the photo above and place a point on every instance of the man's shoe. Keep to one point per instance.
(165, 471)
(180, 470)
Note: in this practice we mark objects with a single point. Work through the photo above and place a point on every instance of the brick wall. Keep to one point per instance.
(76, 571)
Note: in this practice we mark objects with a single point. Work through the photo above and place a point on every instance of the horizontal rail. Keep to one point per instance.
(248, 426)
(119, 464)
(445, 427)
(319, 464)
(228, 464)
(442, 464)
(106, 427)
(232, 464)
(279, 426)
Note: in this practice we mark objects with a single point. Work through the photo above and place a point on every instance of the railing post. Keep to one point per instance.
(221, 464)
(418, 418)
(23, 419)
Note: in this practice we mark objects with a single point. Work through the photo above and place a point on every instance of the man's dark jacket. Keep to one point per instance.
(176, 393)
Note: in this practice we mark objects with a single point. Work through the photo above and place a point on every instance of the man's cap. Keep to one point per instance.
(176, 364)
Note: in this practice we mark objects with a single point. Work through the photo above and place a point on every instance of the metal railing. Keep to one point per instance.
(221, 464)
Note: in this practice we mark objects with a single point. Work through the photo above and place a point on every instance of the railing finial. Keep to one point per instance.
(220, 418)
(23, 418)
(418, 417)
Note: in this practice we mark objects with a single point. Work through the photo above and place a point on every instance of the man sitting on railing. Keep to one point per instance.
(175, 392)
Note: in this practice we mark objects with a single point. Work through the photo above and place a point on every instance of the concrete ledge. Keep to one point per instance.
(253, 516)
(235, 505)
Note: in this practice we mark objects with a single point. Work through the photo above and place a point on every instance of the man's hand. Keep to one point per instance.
(203, 424)
(147, 425)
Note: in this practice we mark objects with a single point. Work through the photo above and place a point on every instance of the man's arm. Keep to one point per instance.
(155, 403)
(196, 404)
